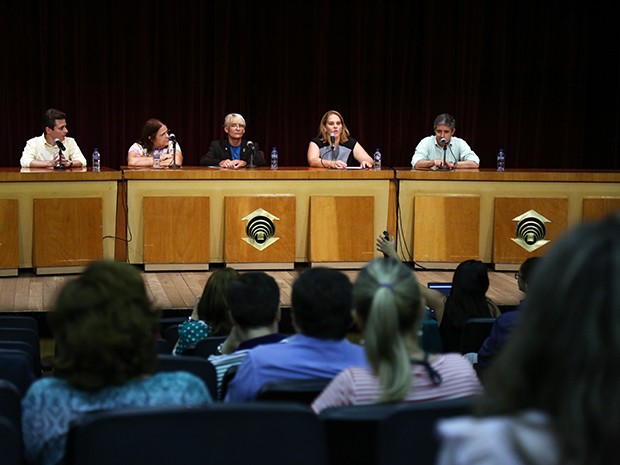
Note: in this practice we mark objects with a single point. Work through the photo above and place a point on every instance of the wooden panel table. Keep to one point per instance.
(579, 195)
(27, 184)
(218, 184)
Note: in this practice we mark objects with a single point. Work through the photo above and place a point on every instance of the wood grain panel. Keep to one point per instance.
(67, 232)
(505, 250)
(599, 207)
(446, 228)
(341, 229)
(176, 230)
(9, 237)
(240, 217)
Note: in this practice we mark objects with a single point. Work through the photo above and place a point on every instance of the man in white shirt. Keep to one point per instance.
(432, 150)
(53, 147)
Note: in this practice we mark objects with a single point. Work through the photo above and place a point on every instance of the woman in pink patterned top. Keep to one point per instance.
(388, 307)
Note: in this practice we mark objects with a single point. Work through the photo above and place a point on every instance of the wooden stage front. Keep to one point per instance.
(176, 292)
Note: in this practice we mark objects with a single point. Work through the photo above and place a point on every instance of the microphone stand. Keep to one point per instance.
(252, 157)
(59, 165)
(173, 165)
(444, 166)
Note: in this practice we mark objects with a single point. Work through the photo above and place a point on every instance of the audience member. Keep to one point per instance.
(45, 150)
(103, 325)
(254, 309)
(154, 140)
(467, 298)
(337, 152)
(210, 316)
(233, 151)
(552, 394)
(321, 315)
(431, 150)
(388, 306)
(504, 324)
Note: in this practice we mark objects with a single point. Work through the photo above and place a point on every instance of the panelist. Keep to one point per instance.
(334, 148)
(53, 147)
(155, 139)
(431, 150)
(233, 151)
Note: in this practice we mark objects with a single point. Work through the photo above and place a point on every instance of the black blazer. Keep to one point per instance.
(220, 150)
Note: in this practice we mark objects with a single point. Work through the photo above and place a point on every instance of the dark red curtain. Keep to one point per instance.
(539, 79)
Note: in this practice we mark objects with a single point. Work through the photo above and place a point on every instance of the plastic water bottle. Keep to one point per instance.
(156, 156)
(501, 160)
(274, 158)
(96, 160)
(377, 158)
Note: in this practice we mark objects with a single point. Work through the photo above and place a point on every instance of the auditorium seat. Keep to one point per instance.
(10, 443)
(26, 335)
(197, 366)
(475, 331)
(303, 391)
(209, 346)
(258, 433)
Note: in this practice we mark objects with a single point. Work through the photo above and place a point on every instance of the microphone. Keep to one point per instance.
(173, 138)
(332, 138)
(444, 165)
(59, 144)
(252, 148)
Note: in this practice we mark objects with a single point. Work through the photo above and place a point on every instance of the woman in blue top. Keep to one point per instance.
(334, 148)
(104, 328)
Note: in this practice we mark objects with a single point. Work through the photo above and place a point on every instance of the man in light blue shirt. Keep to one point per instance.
(431, 150)
(321, 312)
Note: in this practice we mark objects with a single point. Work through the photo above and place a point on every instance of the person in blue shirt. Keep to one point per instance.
(233, 151)
(505, 323)
(321, 313)
(104, 327)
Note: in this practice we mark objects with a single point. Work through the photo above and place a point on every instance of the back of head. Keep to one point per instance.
(388, 300)
(213, 304)
(104, 326)
(253, 300)
(321, 301)
(527, 268)
(467, 299)
(564, 357)
(50, 117)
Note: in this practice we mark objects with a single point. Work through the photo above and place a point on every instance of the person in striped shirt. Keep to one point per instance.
(388, 306)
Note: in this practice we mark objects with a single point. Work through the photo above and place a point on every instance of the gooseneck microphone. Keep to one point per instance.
(444, 166)
(173, 139)
(252, 148)
(59, 144)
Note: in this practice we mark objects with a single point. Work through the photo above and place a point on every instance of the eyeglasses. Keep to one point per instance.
(237, 126)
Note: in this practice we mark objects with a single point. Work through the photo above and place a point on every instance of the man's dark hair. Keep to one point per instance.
(253, 299)
(322, 302)
(50, 117)
(527, 268)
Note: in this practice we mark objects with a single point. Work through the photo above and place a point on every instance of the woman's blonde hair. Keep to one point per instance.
(387, 298)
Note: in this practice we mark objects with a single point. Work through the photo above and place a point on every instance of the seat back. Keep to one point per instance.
(208, 346)
(408, 434)
(10, 403)
(171, 334)
(257, 433)
(197, 366)
(475, 331)
(10, 443)
(354, 421)
(27, 335)
(17, 366)
(19, 321)
(303, 391)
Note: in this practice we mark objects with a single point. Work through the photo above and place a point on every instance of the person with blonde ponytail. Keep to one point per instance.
(388, 307)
